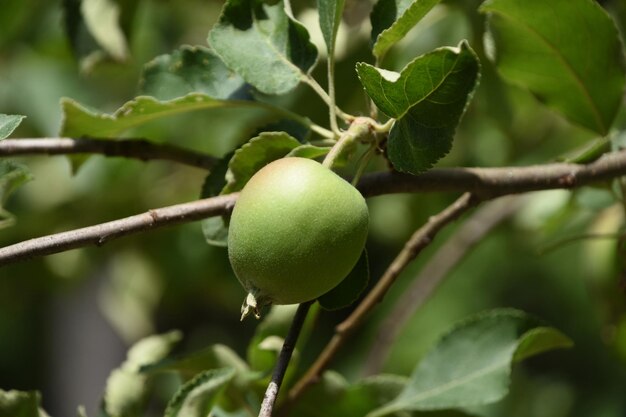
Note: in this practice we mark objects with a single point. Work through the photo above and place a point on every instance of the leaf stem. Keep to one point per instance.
(312, 82)
(362, 164)
(331, 92)
(284, 357)
(359, 128)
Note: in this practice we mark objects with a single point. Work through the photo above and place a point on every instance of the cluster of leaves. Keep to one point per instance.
(258, 50)
(469, 366)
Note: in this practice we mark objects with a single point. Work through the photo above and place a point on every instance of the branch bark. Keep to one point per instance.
(128, 148)
(102, 233)
(494, 182)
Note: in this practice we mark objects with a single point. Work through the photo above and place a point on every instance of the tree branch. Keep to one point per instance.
(482, 182)
(493, 182)
(102, 233)
(465, 238)
(420, 239)
(283, 360)
(128, 148)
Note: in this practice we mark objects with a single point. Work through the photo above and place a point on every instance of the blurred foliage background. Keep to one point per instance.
(66, 319)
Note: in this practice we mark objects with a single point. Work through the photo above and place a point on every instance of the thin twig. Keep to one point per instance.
(127, 148)
(420, 239)
(102, 233)
(283, 360)
(433, 274)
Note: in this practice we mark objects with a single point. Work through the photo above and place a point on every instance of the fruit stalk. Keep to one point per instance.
(283, 360)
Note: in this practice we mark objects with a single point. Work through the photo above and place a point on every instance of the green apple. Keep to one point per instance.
(296, 232)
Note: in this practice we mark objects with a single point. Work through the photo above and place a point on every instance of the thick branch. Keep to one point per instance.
(102, 233)
(420, 239)
(127, 148)
(465, 238)
(493, 182)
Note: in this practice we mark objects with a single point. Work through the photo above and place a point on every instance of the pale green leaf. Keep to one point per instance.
(197, 397)
(127, 387)
(428, 98)
(20, 404)
(309, 151)
(8, 123)
(393, 19)
(80, 121)
(330, 12)
(102, 18)
(471, 365)
(566, 52)
(263, 44)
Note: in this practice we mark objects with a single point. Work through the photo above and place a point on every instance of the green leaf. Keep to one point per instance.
(215, 229)
(471, 365)
(212, 357)
(350, 289)
(80, 121)
(393, 19)
(428, 99)
(308, 151)
(98, 29)
(127, 387)
(8, 123)
(190, 70)
(20, 404)
(566, 52)
(12, 176)
(254, 155)
(275, 324)
(197, 397)
(330, 12)
(268, 48)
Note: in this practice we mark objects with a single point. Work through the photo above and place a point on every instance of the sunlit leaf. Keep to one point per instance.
(393, 19)
(8, 123)
(428, 98)
(330, 17)
(263, 44)
(566, 52)
(20, 404)
(471, 365)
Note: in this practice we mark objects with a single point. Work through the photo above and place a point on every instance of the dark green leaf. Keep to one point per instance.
(12, 176)
(392, 20)
(471, 365)
(127, 387)
(348, 290)
(20, 404)
(8, 123)
(575, 66)
(197, 397)
(428, 99)
(268, 48)
(215, 229)
(190, 70)
(330, 17)
(254, 155)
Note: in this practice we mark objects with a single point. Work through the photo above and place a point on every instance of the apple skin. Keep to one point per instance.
(296, 231)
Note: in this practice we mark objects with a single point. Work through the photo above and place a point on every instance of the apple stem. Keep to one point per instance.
(289, 344)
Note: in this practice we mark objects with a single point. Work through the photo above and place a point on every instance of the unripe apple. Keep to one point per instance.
(296, 232)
